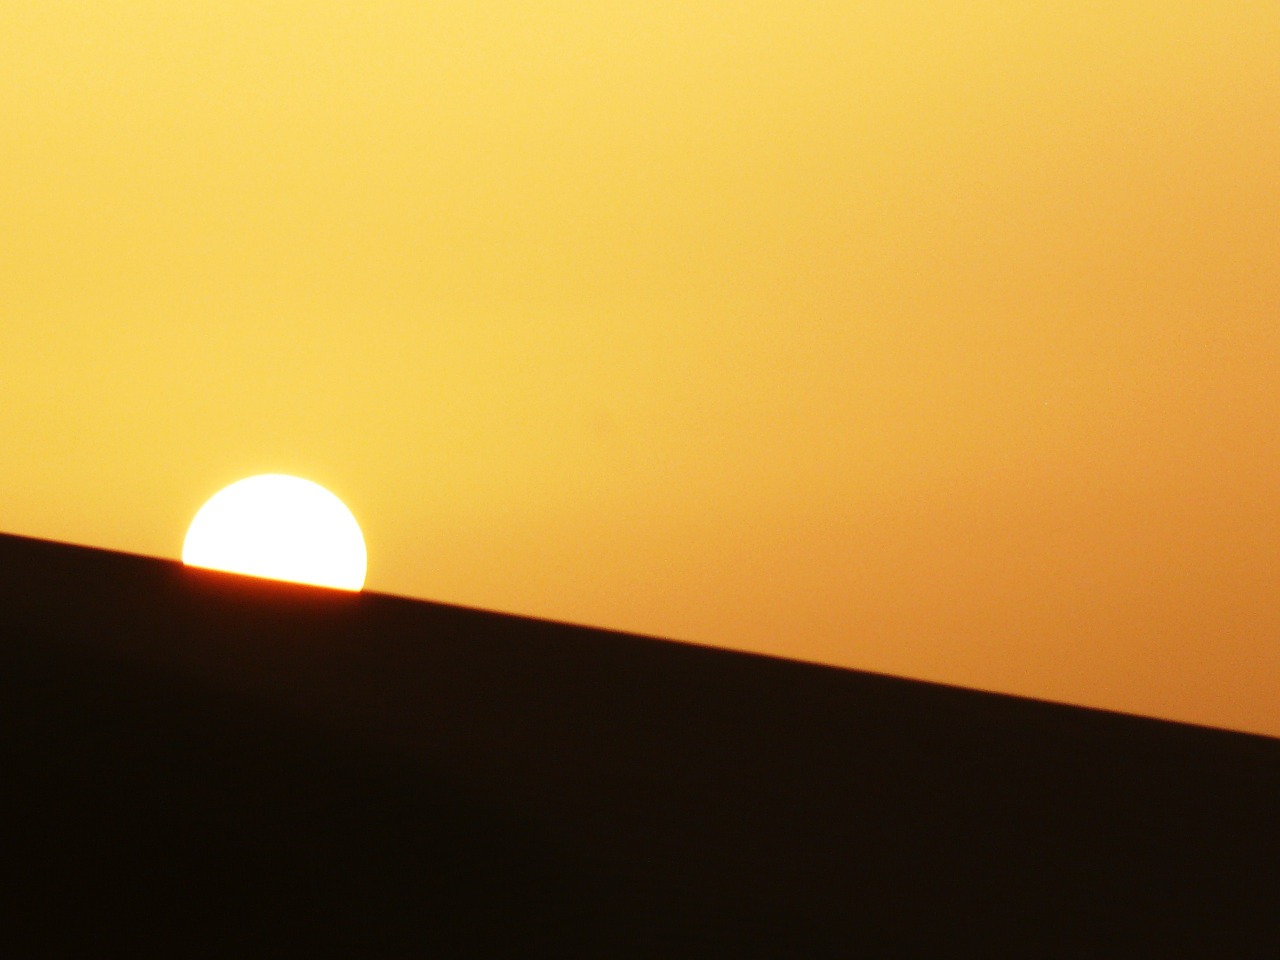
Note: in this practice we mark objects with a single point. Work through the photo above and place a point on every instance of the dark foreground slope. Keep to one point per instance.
(196, 764)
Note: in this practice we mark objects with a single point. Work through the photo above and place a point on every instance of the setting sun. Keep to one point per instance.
(279, 527)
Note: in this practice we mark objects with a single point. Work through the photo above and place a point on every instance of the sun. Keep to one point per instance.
(282, 528)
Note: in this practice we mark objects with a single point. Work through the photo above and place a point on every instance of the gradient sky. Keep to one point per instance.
(933, 338)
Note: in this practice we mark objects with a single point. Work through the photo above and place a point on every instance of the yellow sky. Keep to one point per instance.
(939, 339)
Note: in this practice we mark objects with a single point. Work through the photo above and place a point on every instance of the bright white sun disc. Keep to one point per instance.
(280, 527)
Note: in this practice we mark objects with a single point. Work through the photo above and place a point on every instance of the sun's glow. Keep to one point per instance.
(280, 527)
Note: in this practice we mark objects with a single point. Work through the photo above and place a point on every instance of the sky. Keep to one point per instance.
(937, 339)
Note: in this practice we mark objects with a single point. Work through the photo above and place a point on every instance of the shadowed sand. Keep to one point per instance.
(196, 764)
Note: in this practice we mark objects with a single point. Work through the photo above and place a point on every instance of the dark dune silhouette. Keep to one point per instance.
(196, 764)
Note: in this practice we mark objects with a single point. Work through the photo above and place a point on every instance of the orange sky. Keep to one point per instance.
(938, 339)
